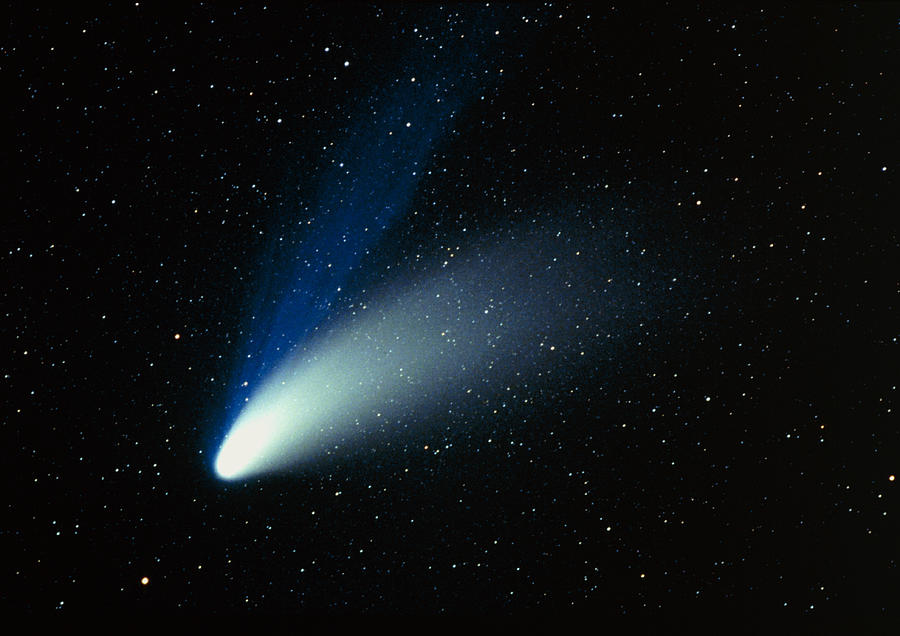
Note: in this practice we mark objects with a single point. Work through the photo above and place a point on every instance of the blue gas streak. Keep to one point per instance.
(366, 179)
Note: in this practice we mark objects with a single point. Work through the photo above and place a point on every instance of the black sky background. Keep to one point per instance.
(133, 146)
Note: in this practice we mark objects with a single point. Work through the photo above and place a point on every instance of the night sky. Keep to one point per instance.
(607, 300)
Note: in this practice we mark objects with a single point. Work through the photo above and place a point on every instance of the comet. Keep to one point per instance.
(536, 309)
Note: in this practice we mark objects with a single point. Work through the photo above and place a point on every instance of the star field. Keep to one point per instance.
(614, 292)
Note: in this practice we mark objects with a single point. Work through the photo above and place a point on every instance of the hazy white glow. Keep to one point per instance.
(462, 337)
(248, 442)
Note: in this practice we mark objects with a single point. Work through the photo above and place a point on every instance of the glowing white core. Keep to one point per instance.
(247, 442)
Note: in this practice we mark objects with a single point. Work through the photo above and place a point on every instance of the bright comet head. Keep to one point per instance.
(248, 443)
(239, 449)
